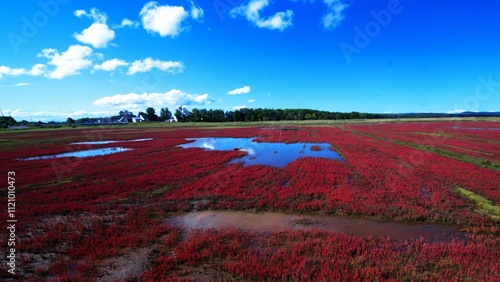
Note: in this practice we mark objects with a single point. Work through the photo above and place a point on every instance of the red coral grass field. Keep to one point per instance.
(104, 217)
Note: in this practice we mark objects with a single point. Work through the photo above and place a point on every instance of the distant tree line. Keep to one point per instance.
(202, 115)
(259, 114)
(7, 121)
(183, 114)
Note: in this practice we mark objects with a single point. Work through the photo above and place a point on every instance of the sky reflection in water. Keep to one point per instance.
(265, 153)
(82, 154)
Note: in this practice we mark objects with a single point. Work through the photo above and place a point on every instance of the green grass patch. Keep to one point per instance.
(444, 135)
(469, 150)
(51, 183)
(161, 191)
(484, 205)
(457, 156)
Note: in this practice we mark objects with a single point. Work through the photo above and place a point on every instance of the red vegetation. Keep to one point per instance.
(316, 256)
(74, 214)
(474, 139)
(315, 148)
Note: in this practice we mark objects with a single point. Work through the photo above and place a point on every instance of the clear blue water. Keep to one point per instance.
(264, 153)
(82, 154)
(109, 141)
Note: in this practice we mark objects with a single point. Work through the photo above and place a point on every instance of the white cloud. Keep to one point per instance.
(98, 34)
(251, 101)
(36, 70)
(456, 111)
(127, 23)
(4, 70)
(67, 63)
(110, 65)
(80, 13)
(335, 14)
(251, 12)
(140, 66)
(94, 14)
(173, 97)
(149, 64)
(165, 20)
(22, 84)
(197, 13)
(239, 107)
(238, 91)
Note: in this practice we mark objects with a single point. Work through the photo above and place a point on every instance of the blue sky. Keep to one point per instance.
(63, 58)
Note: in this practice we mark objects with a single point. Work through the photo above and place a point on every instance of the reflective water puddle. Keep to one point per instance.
(82, 154)
(109, 141)
(268, 222)
(265, 153)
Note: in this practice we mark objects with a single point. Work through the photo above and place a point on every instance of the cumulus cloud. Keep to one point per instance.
(173, 98)
(98, 34)
(36, 70)
(239, 91)
(335, 14)
(149, 64)
(251, 12)
(239, 107)
(67, 63)
(110, 65)
(164, 20)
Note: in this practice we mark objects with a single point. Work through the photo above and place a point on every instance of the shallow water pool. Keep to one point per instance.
(265, 153)
(82, 154)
